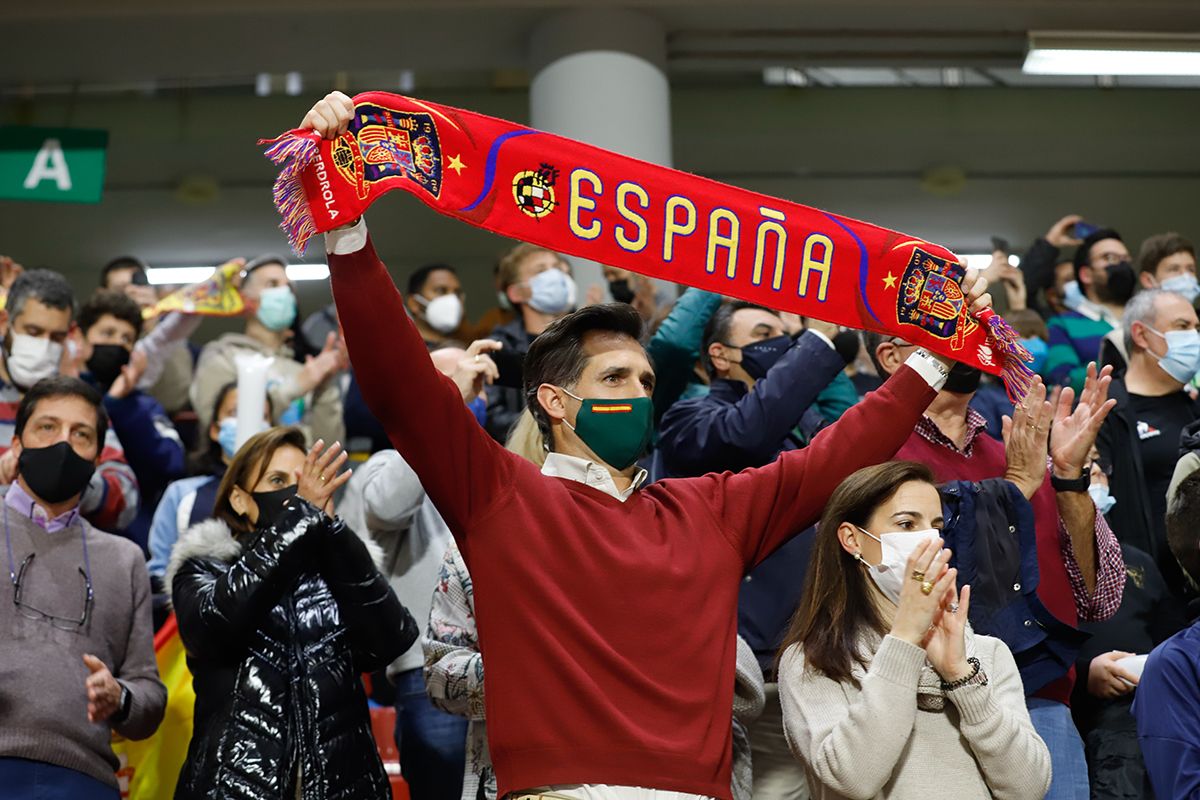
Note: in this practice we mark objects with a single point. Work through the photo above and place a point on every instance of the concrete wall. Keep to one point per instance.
(1121, 157)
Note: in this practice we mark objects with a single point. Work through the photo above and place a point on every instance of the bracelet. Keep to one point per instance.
(976, 672)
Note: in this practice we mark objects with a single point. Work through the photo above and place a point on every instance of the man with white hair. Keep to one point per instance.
(1139, 442)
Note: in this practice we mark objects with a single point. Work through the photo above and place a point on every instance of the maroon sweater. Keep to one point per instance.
(988, 461)
(608, 628)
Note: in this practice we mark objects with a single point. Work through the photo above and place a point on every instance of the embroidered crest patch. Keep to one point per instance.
(383, 143)
(931, 297)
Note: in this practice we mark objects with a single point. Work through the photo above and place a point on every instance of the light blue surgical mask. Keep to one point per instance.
(1183, 354)
(1185, 284)
(1100, 496)
(1072, 296)
(1037, 348)
(227, 437)
(277, 308)
(552, 292)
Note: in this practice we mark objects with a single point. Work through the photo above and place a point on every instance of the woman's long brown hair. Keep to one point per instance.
(247, 469)
(837, 604)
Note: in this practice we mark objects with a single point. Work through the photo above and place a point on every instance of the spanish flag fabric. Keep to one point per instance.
(150, 768)
(582, 200)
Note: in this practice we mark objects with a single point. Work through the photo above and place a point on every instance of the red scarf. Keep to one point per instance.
(574, 198)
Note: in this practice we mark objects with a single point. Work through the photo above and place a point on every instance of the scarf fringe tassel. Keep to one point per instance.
(293, 152)
(1014, 358)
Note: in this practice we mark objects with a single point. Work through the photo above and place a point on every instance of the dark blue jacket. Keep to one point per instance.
(152, 448)
(1167, 708)
(989, 527)
(731, 428)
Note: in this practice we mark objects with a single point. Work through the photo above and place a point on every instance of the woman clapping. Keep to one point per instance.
(886, 691)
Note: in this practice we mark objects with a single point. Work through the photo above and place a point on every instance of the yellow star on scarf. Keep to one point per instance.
(456, 164)
(890, 281)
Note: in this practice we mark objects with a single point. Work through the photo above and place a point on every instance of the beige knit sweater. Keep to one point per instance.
(872, 741)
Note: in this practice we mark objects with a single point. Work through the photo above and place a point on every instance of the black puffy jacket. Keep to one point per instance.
(278, 626)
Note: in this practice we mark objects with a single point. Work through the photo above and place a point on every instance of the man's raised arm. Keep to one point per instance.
(459, 465)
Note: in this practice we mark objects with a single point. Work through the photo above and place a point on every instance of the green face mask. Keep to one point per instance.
(618, 431)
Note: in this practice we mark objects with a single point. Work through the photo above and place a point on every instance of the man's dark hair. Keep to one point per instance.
(718, 327)
(557, 357)
(420, 276)
(1160, 246)
(44, 285)
(110, 301)
(1083, 256)
(63, 386)
(1183, 536)
(121, 262)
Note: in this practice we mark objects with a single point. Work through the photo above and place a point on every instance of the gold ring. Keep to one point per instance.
(322, 479)
(918, 575)
(926, 587)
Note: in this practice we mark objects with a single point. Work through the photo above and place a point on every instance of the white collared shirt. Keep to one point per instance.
(589, 473)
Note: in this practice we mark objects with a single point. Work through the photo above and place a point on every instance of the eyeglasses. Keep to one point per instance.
(62, 623)
(28, 611)
(1108, 259)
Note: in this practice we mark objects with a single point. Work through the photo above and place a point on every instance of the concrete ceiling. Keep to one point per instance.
(57, 46)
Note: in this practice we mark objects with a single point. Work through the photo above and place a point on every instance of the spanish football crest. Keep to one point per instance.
(533, 190)
(383, 143)
(931, 297)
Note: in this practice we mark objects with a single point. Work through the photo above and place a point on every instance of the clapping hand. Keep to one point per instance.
(1026, 438)
(103, 691)
(319, 478)
(947, 645)
(1074, 431)
(915, 613)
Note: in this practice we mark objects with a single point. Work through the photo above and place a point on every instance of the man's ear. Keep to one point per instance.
(414, 308)
(4, 320)
(1085, 277)
(1139, 334)
(16, 446)
(888, 356)
(517, 293)
(717, 354)
(550, 398)
(1148, 281)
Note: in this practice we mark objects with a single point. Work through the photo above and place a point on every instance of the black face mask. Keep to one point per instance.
(621, 290)
(1121, 280)
(55, 473)
(759, 357)
(963, 379)
(106, 362)
(271, 505)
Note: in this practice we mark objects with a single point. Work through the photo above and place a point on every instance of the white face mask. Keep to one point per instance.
(889, 574)
(32, 358)
(443, 313)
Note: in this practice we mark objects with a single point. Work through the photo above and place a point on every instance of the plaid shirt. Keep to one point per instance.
(1110, 566)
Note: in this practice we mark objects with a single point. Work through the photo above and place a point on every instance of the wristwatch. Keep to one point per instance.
(126, 701)
(1079, 484)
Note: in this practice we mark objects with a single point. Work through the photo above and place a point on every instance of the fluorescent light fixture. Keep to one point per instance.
(984, 260)
(180, 276)
(1080, 53)
(784, 76)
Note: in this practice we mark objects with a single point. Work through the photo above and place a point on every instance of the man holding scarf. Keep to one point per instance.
(607, 611)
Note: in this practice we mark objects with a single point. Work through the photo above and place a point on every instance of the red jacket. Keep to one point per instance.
(608, 628)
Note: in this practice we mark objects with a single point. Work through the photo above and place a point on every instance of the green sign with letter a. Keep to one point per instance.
(55, 164)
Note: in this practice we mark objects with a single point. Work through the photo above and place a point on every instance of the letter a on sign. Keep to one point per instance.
(50, 164)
